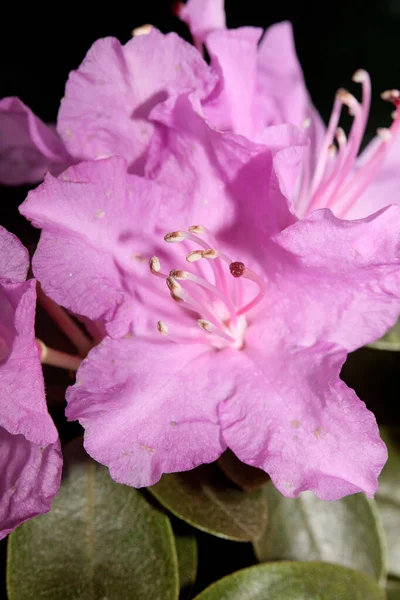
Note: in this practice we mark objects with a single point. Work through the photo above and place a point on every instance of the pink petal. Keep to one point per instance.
(30, 479)
(232, 106)
(22, 399)
(384, 189)
(108, 99)
(294, 418)
(28, 147)
(335, 280)
(224, 181)
(95, 220)
(203, 16)
(149, 407)
(14, 257)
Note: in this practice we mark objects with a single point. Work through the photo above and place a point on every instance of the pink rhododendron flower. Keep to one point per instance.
(230, 331)
(30, 456)
(105, 108)
(261, 84)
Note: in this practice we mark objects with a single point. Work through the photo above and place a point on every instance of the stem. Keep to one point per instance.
(65, 323)
(55, 358)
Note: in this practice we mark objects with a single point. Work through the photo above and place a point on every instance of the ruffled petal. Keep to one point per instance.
(28, 148)
(96, 221)
(202, 16)
(108, 99)
(292, 416)
(30, 478)
(334, 280)
(14, 257)
(149, 408)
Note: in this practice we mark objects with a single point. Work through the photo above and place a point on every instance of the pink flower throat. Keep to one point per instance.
(219, 307)
(337, 181)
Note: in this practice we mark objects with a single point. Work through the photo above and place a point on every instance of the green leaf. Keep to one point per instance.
(205, 499)
(347, 532)
(246, 477)
(186, 547)
(390, 341)
(100, 540)
(295, 581)
(388, 497)
(393, 589)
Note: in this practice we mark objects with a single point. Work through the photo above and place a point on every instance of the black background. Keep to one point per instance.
(40, 44)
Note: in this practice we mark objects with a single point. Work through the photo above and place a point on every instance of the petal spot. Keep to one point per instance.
(173, 423)
(318, 432)
(100, 214)
(295, 423)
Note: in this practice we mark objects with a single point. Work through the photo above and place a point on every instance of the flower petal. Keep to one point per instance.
(22, 398)
(149, 408)
(232, 105)
(30, 479)
(14, 257)
(202, 16)
(294, 418)
(384, 189)
(109, 97)
(224, 181)
(28, 147)
(335, 280)
(95, 219)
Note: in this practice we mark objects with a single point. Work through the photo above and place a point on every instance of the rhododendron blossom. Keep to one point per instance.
(228, 318)
(30, 455)
(262, 84)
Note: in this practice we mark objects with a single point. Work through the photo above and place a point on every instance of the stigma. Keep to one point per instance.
(211, 290)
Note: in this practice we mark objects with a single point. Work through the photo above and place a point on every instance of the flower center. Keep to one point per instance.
(218, 307)
(335, 181)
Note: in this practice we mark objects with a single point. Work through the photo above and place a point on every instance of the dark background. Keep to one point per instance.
(40, 45)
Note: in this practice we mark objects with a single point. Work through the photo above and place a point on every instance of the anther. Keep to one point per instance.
(175, 236)
(177, 274)
(332, 150)
(384, 134)
(195, 255)
(142, 30)
(162, 328)
(199, 229)
(173, 286)
(390, 95)
(306, 123)
(210, 254)
(154, 264)
(360, 76)
(340, 135)
(237, 269)
(206, 325)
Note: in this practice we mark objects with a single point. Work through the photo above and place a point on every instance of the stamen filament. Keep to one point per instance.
(55, 358)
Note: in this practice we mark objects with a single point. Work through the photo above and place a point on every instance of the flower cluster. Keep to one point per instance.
(231, 248)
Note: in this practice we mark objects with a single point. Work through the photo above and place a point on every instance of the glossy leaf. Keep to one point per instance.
(388, 497)
(100, 540)
(295, 581)
(205, 499)
(347, 532)
(390, 341)
(393, 589)
(186, 547)
(245, 476)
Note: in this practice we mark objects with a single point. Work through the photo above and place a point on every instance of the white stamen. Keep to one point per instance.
(162, 328)
(390, 95)
(394, 115)
(199, 229)
(210, 254)
(154, 264)
(360, 76)
(195, 255)
(206, 325)
(178, 274)
(384, 134)
(175, 236)
(142, 30)
(340, 136)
